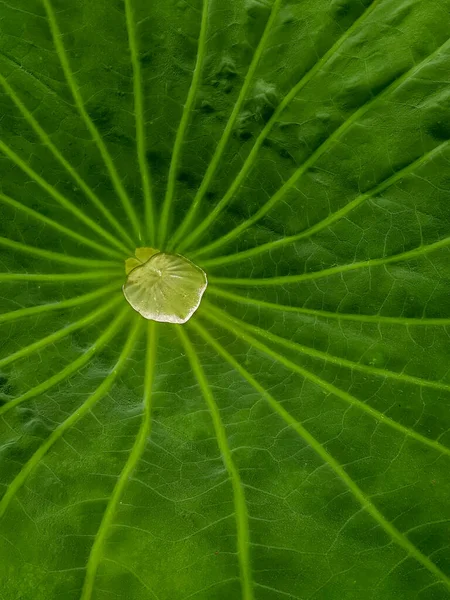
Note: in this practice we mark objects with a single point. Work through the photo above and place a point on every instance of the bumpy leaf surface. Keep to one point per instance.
(292, 440)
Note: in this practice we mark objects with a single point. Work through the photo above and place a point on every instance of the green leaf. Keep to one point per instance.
(292, 439)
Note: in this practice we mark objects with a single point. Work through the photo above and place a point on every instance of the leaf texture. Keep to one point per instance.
(291, 440)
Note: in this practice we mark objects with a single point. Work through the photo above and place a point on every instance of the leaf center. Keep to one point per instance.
(163, 287)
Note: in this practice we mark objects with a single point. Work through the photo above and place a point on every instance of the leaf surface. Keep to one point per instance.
(291, 440)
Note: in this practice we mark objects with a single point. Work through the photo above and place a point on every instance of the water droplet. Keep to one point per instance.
(167, 287)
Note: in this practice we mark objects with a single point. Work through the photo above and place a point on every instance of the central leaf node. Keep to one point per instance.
(163, 287)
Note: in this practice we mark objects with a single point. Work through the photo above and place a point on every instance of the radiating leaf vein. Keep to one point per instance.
(215, 160)
(61, 228)
(60, 198)
(137, 450)
(238, 491)
(140, 130)
(363, 264)
(56, 256)
(359, 495)
(324, 147)
(332, 217)
(76, 416)
(337, 360)
(326, 314)
(220, 318)
(184, 122)
(61, 333)
(61, 52)
(250, 160)
(64, 162)
(61, 305)
(54, 277)
(72, 367)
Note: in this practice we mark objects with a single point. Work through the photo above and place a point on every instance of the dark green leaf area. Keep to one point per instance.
(291, 439)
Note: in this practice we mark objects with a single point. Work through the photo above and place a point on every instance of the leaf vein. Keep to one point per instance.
(249, 161)
(332, 217)
(240, 506)
(429, 321)
(137, 450)
(65, 163)
(228, 323)
(184, 122)
(72, 367)
(395, 534)
(60, 198)
(56, 256)
(61, 333)
(289, 184)
(140, 126)
(57, 433)
(363, 264)
(212, 167)
(61, 52)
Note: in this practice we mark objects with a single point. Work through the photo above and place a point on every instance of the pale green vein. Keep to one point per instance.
(124, 567)
(66, 164)
(54, 277)
(324, 314)
(336, 360)
(62, 200)
(118, 185)
(41, 80)
(61, 228)
(243, 538)
(139, 445)
(273, 590)
(220, 318)
(364, 264)
(80, 412)
(212, 167)
(57, 256)
(140, 127)
(71, 302)
(250, 160)
(72, 367)
(332, 218)
(209, 589)
(321, 451)
(324, 147)
(185, 117)
(62, 333)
